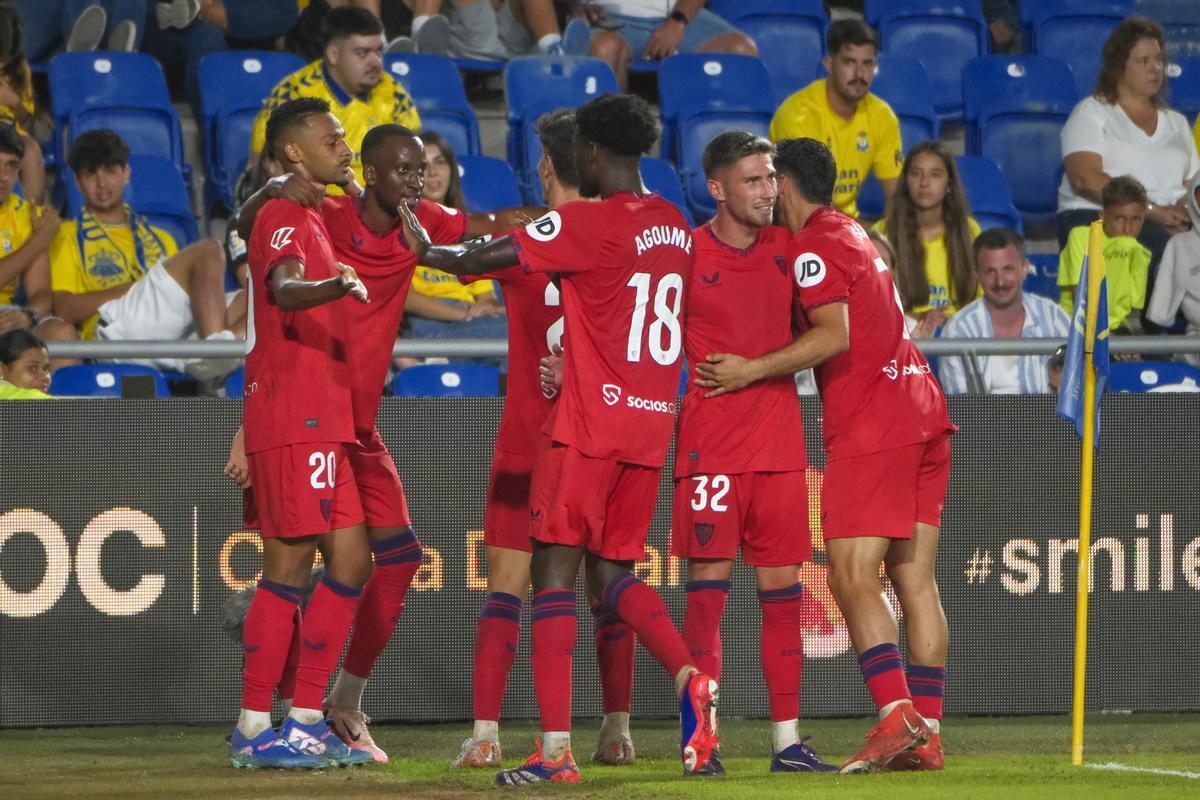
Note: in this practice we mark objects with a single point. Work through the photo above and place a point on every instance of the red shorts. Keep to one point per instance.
(301, 490)
(886, 493)
(765, 513)
(506, 517)
(379, 487)
(600, 504)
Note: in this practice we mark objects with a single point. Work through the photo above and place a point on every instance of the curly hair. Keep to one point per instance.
(1116, 55)
(623, 124)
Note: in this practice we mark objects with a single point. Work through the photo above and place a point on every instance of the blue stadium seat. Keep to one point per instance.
(790, 35)
(1043, 275)
(535, 85)
(233, 86)
(1029, 82)
(702, 95)
(987, 194)
(488, 183)
(437, 90)
(101, 380)
(943, 36)
(235, 383)
(125, 92)
(659, 176)
(1180, 20)
(156, 190)
(1075, 31)
(1025, 144)
(1152, 376)
(1184, 78)
(448, 380)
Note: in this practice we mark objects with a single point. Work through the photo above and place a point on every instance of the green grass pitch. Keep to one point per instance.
(1005, 758)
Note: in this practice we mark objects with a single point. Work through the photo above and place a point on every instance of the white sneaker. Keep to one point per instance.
(88, 30)
(177, 13)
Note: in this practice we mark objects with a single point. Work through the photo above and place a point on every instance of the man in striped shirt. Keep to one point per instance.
(1004, 311)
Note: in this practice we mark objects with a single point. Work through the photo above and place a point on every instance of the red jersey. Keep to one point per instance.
(385, 265)
(623, 262)
(297, 376)
(879, 393)
(740, 301)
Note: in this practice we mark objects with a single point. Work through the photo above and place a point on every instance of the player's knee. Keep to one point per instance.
(609, 46)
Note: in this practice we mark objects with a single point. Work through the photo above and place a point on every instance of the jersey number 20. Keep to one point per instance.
(666, 315)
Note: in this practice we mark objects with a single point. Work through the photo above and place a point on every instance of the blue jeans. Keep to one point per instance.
(478, 328)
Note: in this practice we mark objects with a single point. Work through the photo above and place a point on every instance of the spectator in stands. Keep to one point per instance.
(1178, 286)
(17, 107)
(1123, 212)
(651, 30)
(350, 76)
(81, 24)
(930, 226)
(1125, 128)
(24, 367)
(481, 30)
(860, 129)
(1054, 369)
(1003, 18)
(1004, 312)
(118, 277)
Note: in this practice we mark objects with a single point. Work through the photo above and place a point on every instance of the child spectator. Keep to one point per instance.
(24, 367)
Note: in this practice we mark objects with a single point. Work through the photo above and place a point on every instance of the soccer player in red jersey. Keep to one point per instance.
(623, 263)
(887, 436)
(298, 424)
(739, 458)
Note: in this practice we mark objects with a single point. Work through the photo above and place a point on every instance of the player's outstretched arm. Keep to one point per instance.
(828, 336)
(289, 187)
(499, 222)
(494, 256)
(293, 293)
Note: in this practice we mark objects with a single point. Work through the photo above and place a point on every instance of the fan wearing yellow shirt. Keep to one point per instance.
(17, 106)
(119, 278)
(931, 228)
(860, 129)
(351, 78)
(24, 367)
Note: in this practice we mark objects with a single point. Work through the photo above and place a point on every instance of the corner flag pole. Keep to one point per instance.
(1096, 275)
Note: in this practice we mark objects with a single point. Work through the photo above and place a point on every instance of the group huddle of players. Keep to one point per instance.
(606, 294)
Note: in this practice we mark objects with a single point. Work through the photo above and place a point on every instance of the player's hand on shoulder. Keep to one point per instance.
(414, 233)
(724, 373)
(238, 468)
(350, 282)
(295, 188)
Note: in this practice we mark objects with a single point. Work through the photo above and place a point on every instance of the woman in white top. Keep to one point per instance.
(1125, 128)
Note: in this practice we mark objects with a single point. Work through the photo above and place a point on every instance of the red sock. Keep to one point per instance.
(702, 623)
(883, 673)
(396, 562)
(642, 609)
(496, 638)
(270, 621)
(554, 631)
(322, 637)
(287, 684)
(781, 649)
(928, 685)
(615, 649)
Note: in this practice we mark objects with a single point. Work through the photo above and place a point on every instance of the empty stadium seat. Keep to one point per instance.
(233, 86)
(235, 383)
(535, 85)
(790, 35)
(1184, 78)
(447, 380)
(987, 194)
(101, 380)
(1152, 376)
(1180, 20)
(488, 183)
(943, 36)
(1075, 31)
(659, 176)
(156, 191)
(702, 95)
(1025, 144)
(437, 91)
(125, 92)
(1043, 275)
(1016, 81)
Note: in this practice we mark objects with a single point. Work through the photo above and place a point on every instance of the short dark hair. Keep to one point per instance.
(11, 141)
(1121, 190)
(847, 33)
(556, 132)
(808, 164)
(17, 341)
(289, 115)
(349, 21)
(622, 124)
(730, 147)
(998, 239)
(95, 149)
(378, 136)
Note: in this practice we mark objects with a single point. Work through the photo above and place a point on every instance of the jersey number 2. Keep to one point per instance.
(881, 266)
(666, 315)
(324, 470)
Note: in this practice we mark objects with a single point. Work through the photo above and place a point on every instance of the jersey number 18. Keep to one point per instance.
(666, 315)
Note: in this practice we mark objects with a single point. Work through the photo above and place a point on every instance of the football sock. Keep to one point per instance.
(615, 724)
(287, 683)
(322, 637)
(642, 610)
(615, 650)
(554, 744)
(266, 637)
(252, 723)
(548, 41)
(784, 734)
(554, 630)
(496, 638)
(702, 623)
(928, 687)
(781, 649)
(883, 672)
(486, 729)
(396, 562)
(306, 716)
(347, 691)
